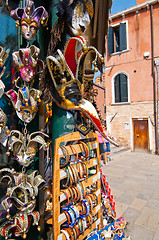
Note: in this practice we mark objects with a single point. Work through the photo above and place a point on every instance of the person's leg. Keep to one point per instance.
(108, 150)
(105, 155)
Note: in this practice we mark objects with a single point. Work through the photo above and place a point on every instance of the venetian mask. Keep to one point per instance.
(28, 63)
(29, 28)
(29, 19)
(80, 20)
(69, 73)
(24, 149)
(27, 73)
(25, 101)
(19, 204)
(3, 57)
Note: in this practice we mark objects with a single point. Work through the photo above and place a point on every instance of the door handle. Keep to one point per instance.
(137, 135)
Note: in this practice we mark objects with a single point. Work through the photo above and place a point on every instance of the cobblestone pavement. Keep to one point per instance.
(134, 181)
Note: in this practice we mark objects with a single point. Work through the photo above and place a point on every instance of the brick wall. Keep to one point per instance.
(121, 125)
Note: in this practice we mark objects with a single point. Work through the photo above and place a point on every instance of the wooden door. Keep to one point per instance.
(140, 134)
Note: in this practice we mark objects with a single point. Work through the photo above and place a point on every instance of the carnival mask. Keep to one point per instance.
(3, 57)
(25, 102)
(25, 148)
(19, 204)
(29, 19)
(3, 120)
(29, 28)
(77, 14)
(80, 20)
(28, 63)
(69, 73)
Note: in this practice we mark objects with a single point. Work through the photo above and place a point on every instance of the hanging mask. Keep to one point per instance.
(24, 150)
(3, 120)
(27, 63)
(25, 101)
(19, 204)
(29, 19)
(3, 57)
(77, 14)
(69, 75)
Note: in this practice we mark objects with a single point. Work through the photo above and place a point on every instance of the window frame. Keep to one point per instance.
(113, 88)
(127, 38)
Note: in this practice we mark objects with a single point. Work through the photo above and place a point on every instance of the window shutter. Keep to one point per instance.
(124, 88)
(110, 40)
(123, 43)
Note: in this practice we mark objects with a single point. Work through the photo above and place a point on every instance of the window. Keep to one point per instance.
(104, 109)
(121, 88)
(117, 38)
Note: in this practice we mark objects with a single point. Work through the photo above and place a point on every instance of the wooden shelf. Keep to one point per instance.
(59, 174)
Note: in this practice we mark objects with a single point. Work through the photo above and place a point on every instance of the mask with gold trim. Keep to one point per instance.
(3, 57)
(25, 102)
(3, 120)
(20, 202)
(69, 75)
(29, 19)
(28, 63)
(77, 14)
(25, 148)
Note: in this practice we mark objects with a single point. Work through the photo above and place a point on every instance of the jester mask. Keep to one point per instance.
(24, 148)
(69, 77)
(29, 19)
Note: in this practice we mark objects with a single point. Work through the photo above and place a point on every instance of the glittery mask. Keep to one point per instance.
(25, 148)
(29, 19)
(28, 63)
(25, 101)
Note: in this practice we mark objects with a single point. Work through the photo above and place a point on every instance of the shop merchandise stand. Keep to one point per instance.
(59, 174)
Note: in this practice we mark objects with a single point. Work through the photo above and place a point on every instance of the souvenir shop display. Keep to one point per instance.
(76, 187)
(79, 203)
(22, 188)
(20, 202)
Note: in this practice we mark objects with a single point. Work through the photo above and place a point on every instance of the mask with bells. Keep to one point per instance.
(25, 101)
(28, 63)
(67, 71)
(20, 202)
(29, 19)
(24, 148)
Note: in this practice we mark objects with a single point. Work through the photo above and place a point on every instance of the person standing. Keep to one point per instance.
(102, 147)
(107, 145)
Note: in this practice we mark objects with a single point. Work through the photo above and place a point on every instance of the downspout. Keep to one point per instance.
(154, 81)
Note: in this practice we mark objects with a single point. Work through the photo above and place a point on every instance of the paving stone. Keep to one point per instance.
(156, 234)
(138, 203)
(128, 196)
(140, 233)
(149, 219)
(120, 208)
(153, 203)
(134, 178)
(130, 215)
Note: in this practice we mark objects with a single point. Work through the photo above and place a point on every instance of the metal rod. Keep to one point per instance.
(154, 81)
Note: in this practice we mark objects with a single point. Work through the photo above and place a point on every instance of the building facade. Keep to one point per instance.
(132, 47)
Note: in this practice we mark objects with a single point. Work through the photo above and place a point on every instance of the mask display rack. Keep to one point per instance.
(75, 147)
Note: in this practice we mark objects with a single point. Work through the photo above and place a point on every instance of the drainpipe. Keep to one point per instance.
(154, 81)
